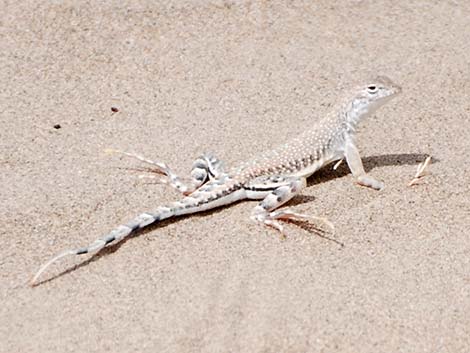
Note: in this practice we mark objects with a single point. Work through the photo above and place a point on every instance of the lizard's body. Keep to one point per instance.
(275, 176)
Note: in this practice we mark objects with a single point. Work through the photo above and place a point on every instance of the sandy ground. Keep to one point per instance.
(233, 78)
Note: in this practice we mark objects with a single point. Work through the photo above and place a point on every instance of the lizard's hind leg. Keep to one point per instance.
(277, 190)
(206, 167)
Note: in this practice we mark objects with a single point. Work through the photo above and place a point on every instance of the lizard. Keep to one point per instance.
(274, 177)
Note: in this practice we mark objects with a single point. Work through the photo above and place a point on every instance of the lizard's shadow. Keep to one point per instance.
(322, 175)
(371, 162)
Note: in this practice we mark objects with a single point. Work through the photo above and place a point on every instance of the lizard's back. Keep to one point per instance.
(302, 155)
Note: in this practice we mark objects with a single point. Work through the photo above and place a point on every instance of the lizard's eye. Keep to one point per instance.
(372, 89)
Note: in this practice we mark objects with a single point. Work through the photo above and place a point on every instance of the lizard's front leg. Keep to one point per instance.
(276, 191)
(357, 169)
(206, 167)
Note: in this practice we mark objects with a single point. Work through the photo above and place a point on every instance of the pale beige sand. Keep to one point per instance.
(232, 78)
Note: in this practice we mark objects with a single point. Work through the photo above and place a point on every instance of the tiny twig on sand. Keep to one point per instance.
(420, 172)
(337, 164)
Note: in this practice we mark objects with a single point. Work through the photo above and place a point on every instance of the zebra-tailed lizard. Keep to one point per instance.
(275, 177)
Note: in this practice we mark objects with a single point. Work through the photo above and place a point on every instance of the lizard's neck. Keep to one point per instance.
(356, 111)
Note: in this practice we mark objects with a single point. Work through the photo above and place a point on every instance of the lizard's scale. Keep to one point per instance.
(274, 176)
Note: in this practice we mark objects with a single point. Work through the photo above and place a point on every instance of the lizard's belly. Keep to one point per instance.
(318, 164)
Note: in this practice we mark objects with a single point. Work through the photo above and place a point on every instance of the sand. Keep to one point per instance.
(233, 78)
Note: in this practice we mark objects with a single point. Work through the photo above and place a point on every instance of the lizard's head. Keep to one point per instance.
(373, 95)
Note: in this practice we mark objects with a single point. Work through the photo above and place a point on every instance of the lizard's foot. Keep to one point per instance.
(273, 219)
(288, 214)
(168, 177)
(367, 180)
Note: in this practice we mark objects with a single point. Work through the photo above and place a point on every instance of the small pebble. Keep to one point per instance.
(114, 109)
(57, 126)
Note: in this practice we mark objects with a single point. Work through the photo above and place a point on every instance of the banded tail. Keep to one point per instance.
(209, 196)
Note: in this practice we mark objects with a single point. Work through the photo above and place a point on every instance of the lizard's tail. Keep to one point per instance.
(114, 236)
(207, 197)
